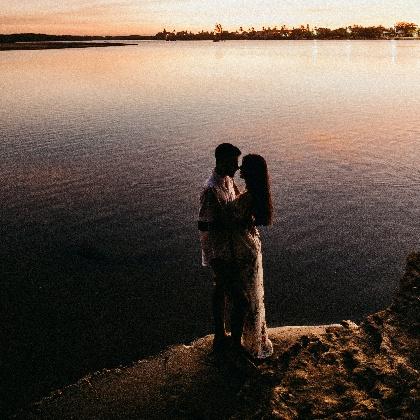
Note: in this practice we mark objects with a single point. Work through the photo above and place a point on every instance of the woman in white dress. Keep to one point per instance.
(251, 208)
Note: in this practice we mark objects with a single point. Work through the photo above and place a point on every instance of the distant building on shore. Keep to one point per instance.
(170, 36)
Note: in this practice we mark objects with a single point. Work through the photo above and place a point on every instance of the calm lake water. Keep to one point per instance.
(103, 155)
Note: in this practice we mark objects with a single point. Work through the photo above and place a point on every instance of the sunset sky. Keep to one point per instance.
(102, 17)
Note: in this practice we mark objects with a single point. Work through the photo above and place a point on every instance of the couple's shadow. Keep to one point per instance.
(216, 385)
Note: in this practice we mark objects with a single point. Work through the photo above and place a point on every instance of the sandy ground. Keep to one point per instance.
(182, 382)
(56, 45)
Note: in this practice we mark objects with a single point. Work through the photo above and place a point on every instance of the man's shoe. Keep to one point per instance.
(242, 360)
(221, 344)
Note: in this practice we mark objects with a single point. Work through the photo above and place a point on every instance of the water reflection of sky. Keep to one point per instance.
(110, 146)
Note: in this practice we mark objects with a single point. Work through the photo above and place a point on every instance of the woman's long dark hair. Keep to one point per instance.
(255, 172)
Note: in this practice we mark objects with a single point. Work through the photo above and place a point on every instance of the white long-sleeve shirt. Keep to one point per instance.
(214, 238)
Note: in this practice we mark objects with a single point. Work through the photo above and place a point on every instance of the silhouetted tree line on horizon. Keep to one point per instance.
(30, 37)
(399, 30)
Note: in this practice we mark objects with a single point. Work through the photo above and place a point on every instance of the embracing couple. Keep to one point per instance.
(231, 246)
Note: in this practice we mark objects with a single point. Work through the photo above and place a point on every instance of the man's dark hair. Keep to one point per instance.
(226, 151)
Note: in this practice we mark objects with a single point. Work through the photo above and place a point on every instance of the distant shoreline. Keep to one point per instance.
(400, 31)
(11, 46)
(48, 45)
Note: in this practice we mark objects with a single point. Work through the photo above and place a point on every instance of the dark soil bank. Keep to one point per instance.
(337, 372)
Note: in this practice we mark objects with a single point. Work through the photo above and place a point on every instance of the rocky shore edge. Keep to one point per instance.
(340, 371)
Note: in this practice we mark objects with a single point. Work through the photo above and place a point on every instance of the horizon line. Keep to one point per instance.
(210, 31)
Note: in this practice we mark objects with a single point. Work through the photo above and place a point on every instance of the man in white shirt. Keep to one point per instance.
(215, 238)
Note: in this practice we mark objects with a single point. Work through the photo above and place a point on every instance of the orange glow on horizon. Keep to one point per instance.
(107, 17)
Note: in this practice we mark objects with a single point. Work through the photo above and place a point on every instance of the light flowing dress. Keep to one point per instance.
(246, 249)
